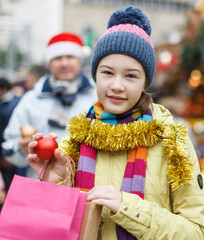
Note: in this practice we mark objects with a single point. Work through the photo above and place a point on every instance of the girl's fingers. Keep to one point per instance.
(102, 189)
(60, 157)
(32, 157)
(101, 192)
(37, 136)
(35, 162)
(31, 146)
(107, 196)
(53, 135)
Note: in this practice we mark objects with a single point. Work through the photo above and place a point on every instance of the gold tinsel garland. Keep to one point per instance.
(120, 137)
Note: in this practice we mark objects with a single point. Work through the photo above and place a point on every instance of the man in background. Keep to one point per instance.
(55, 98)
(8, 101)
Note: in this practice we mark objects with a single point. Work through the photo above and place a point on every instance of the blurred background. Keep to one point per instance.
(177, 34)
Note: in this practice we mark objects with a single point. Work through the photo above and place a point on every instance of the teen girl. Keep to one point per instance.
(132, 158)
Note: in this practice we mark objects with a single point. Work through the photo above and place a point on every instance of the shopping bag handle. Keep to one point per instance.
(69, 163)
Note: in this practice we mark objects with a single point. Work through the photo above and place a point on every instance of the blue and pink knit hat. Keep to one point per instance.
(128, 33)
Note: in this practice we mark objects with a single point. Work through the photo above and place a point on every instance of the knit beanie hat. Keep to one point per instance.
(128, 33)
(64, 44)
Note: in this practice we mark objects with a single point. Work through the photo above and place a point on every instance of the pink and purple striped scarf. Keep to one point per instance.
(134, 176)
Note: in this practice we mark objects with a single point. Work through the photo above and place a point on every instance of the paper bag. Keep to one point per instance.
(37, 210)
(91, 221)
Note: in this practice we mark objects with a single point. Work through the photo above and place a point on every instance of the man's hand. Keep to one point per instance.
(23, 144)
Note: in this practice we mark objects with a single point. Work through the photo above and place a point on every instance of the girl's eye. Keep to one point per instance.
(107, 72)
(131, 76)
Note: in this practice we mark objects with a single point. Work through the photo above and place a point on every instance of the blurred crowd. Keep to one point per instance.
(10, 95)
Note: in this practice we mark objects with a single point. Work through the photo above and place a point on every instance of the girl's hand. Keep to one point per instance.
(107, 196)
(58, 169)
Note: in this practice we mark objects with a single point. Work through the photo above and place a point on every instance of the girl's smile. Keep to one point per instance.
(120, 80)
(116, 99)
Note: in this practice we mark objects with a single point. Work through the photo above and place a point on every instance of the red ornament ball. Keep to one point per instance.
(46, 147)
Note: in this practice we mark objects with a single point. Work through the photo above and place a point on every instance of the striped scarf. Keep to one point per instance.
(134, 176)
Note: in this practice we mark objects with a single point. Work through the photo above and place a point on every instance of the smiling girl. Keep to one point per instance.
(132, 158)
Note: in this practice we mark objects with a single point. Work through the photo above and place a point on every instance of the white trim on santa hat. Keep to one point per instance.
(63, 48)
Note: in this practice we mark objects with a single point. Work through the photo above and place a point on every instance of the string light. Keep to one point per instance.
(165, 57)
(195, 79)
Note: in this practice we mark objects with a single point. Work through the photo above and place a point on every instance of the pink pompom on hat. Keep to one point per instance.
(64, 44)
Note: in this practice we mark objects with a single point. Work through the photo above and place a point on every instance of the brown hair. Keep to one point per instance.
(144, 102)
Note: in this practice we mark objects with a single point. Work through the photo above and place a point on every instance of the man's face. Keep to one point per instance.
(65, 67)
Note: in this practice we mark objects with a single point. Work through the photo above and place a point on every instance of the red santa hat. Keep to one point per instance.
(64, 44)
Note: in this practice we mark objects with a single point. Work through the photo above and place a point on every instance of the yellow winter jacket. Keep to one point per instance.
(163, 214)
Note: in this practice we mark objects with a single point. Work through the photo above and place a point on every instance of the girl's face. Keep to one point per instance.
(120, 80)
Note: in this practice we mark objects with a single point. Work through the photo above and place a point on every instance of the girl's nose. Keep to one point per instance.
(117, 84)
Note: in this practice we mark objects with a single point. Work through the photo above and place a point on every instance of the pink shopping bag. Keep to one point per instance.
(38, 210)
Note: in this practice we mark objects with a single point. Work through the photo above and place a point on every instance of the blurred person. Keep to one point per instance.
(8, 101)
(35, 73)
(132, 158)
(55, 98)
(18, 90)
(18, 83)
(11, 94)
